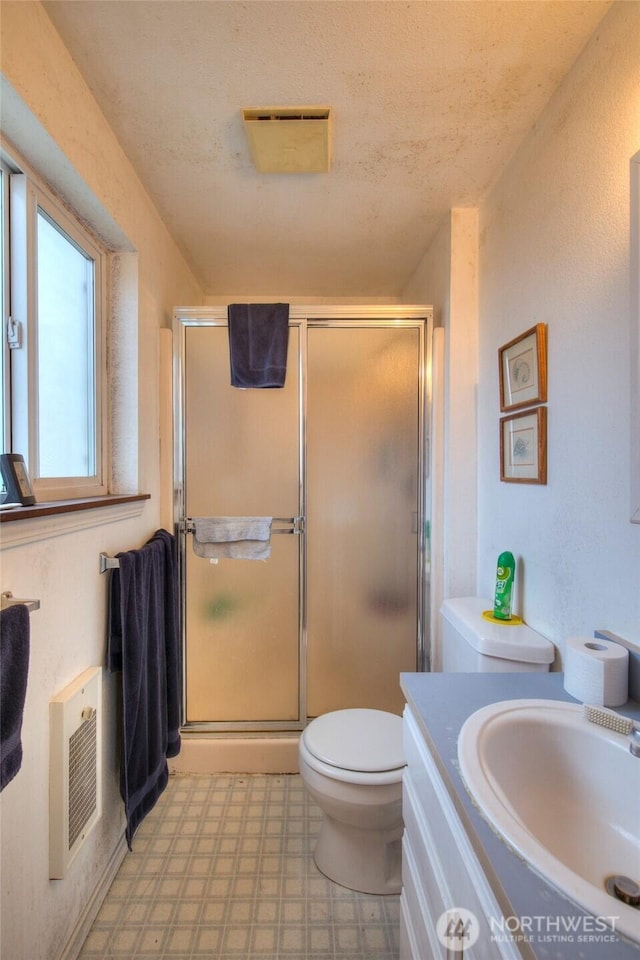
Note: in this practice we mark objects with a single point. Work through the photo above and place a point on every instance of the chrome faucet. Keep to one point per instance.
(634, 740)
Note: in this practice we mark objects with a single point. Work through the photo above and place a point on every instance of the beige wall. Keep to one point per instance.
(51, 117)
(553, 247)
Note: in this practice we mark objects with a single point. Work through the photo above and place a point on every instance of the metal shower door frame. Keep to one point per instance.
(303, 317)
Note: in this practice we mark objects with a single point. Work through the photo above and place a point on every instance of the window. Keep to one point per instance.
(53, 386)
(4, 291)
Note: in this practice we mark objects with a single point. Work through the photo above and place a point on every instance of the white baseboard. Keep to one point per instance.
(90, 912)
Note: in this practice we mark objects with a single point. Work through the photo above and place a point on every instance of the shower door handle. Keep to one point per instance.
(295, 525)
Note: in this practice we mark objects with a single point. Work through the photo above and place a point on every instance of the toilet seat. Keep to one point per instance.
(357, 740)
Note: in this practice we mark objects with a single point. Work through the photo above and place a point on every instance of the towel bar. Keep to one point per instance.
(296, 524)
(8, 600)
(108, 563)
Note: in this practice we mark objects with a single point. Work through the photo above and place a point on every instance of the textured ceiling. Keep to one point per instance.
(430, 100)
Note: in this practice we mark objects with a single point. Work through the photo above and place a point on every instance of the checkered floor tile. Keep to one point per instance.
(223, 868)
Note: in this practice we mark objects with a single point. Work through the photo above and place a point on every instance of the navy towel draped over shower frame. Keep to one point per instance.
(258, 344)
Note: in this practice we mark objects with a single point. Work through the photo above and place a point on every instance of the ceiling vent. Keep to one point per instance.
(289, 139)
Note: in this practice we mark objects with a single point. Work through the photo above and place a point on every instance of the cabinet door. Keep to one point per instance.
(443, 865)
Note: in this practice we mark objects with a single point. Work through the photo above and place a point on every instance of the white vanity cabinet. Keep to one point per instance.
(440, 869)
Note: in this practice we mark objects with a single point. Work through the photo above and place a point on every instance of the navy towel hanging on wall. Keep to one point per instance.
(144, 643)
(14, 669)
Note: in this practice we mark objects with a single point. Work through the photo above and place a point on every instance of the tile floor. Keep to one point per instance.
(222, 868)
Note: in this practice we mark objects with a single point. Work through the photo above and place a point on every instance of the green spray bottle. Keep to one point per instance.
(504, 586)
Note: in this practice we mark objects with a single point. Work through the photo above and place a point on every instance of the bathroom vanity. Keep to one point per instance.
(452, 858)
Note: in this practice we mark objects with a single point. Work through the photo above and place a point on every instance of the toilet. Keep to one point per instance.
(351, 761)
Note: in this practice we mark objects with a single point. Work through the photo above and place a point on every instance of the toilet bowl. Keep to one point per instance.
(351, 763)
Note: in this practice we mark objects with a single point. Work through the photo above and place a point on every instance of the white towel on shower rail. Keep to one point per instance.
(235, 538)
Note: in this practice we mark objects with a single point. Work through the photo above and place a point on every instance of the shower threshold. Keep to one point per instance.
(239, 753)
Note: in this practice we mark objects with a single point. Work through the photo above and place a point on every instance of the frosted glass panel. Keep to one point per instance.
(242, 446)
(241, 616)
(242, 624)
(362, 550)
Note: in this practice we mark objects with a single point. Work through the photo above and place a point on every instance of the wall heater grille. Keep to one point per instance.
(83, 779)
(75, 769)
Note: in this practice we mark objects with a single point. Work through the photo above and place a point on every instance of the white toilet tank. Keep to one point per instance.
(473, 644)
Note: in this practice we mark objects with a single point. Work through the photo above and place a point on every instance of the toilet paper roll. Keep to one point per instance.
(596, 671)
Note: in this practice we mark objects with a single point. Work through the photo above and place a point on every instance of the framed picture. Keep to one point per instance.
(523, 369)
(15, 480)
(523, 447)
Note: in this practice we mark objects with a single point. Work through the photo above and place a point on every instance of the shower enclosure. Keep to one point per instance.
(337, 457)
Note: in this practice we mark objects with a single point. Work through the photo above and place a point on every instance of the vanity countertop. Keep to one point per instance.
(441, 703)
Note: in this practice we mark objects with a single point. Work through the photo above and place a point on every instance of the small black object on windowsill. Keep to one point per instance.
(15, 480)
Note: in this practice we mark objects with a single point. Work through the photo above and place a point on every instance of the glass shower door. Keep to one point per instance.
(242, 618)
(333, 616)
(363, 505)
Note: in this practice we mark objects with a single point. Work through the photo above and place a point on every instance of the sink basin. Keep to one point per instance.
(565, 795)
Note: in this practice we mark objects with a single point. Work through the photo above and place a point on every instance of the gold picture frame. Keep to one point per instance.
(523, 447)
(523, 369)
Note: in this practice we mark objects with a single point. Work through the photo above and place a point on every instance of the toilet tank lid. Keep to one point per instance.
(357, 739)
(505, 640)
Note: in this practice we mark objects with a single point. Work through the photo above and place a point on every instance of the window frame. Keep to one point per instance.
(27, 196)
(5, 287)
